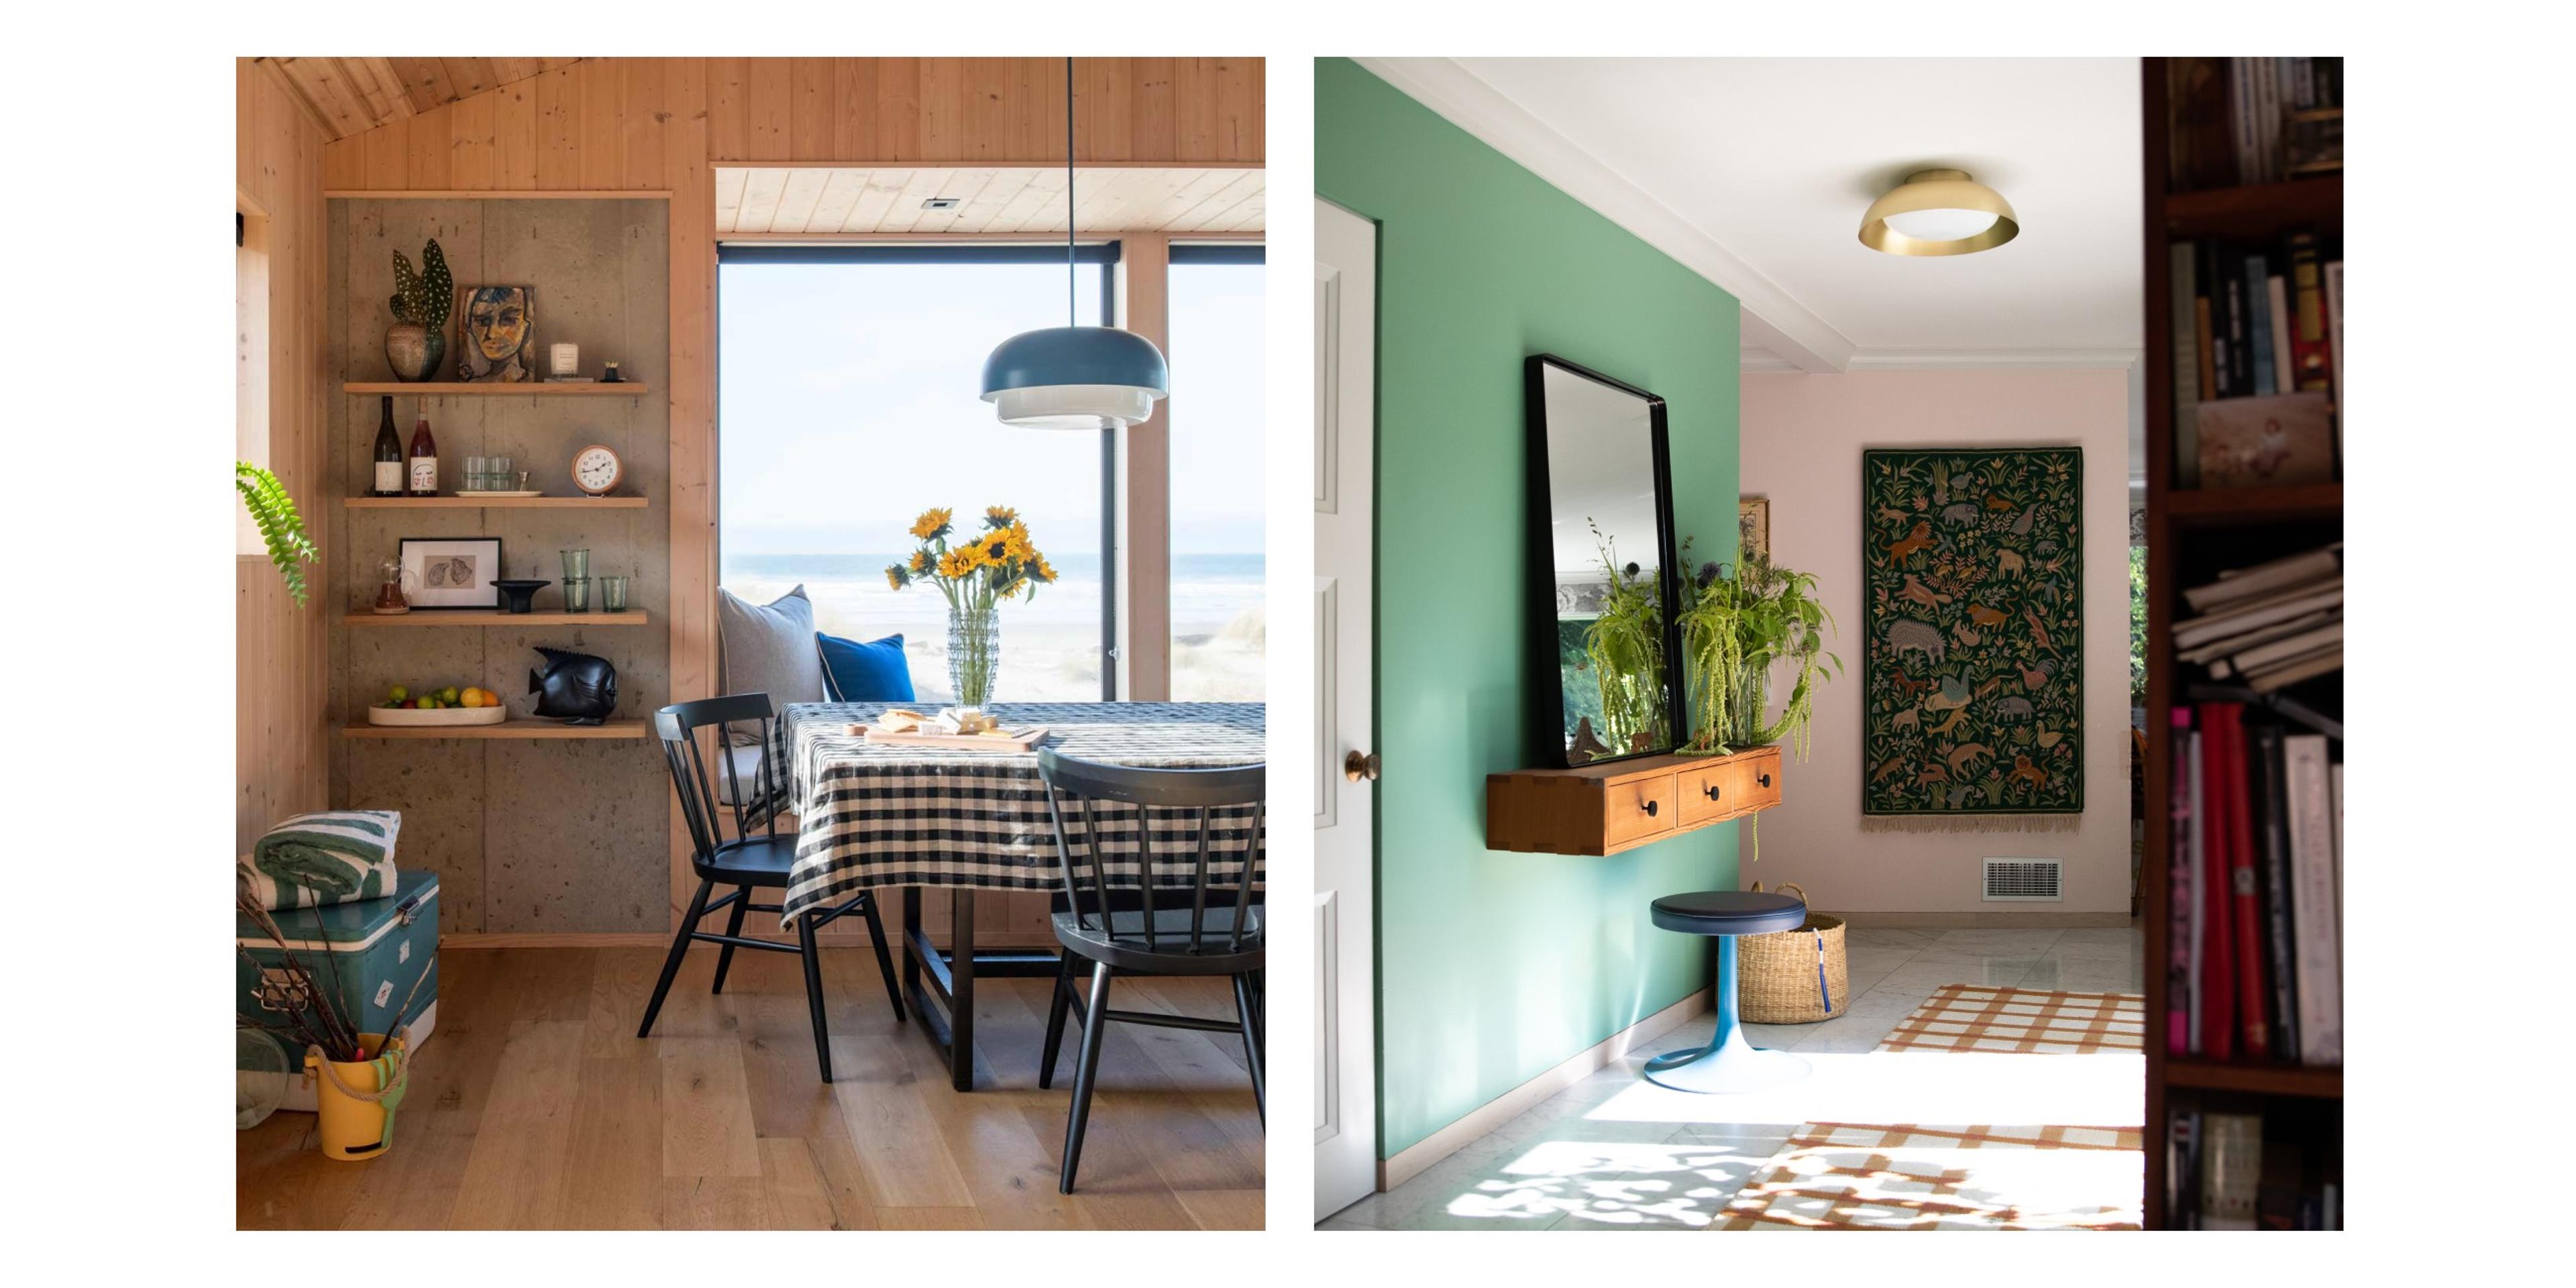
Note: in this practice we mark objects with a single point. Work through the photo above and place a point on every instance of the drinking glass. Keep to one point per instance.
(576, 564)
(478, 472)
(576, 594)
(612, 594)
(497, 478)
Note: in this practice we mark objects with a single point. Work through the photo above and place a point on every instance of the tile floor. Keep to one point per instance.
(1614, 1152)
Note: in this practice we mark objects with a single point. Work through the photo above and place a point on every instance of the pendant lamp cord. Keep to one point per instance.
(1071, 316)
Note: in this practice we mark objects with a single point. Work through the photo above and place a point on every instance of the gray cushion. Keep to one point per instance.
(769, 648)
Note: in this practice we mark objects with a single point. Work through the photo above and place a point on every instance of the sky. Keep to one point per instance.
(849, 397)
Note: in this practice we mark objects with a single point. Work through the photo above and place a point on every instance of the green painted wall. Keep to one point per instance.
(1492, 966)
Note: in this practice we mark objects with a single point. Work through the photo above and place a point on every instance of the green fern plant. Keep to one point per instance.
(289, 547)
(1733, 629)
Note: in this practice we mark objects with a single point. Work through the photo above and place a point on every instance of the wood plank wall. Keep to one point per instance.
(281, 750)
(640, 124)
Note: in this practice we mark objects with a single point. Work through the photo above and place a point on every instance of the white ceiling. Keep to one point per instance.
(1755, 171)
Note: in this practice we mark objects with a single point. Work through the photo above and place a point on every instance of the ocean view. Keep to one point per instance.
(1050, 645)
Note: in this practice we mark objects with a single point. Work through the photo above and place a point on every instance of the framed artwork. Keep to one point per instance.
(1753, 518)
(497, 335)
(1972, 601)
(452, 572)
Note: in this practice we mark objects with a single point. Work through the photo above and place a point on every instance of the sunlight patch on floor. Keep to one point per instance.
(1912, 1087)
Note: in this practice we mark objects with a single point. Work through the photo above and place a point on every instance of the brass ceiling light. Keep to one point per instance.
(1938, 212)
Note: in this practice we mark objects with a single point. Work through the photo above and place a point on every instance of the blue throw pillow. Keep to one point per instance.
(870, 672)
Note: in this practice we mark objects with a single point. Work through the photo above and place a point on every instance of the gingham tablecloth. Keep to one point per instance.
(876, 814)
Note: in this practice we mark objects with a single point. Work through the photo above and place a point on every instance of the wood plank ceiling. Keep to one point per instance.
(1008, 199)
(349, 95)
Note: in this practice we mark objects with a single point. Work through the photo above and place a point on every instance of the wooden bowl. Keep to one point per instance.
(407, 717)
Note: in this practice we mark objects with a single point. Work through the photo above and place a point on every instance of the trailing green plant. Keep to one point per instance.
(1625, 646)
(289, 547)
(426, 296)
(2137, 625)
(1733, 629)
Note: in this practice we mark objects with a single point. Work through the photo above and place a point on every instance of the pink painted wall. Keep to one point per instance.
(1802, 439)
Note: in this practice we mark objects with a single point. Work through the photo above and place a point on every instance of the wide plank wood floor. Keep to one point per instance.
(534, 1106)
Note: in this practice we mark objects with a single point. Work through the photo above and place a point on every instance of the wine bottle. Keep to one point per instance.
(389, 455)
(424, 460)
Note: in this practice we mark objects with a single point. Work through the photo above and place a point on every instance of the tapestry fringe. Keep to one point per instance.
(1971, 822)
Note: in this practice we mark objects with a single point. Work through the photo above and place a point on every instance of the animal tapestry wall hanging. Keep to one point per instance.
(499, 334)
(1973, 595)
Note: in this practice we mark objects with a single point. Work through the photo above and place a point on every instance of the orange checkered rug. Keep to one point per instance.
(1977, 1017)
(1871, 1176)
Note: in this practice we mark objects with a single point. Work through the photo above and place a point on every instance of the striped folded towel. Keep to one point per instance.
(329, 857)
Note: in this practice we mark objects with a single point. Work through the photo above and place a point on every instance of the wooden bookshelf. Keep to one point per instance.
(495, 389)
(490, 617)
(495, 502)
(2189, 534)
(521, 728)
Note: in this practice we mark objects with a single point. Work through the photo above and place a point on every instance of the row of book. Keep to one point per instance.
(2221, 1174)
(2257, 361)
(2269, 626)
(2252, 120)
(2254, 957)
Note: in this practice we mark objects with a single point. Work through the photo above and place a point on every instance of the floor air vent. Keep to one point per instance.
(2023, 881)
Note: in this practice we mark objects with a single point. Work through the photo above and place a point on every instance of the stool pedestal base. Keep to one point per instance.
(1728, 1064)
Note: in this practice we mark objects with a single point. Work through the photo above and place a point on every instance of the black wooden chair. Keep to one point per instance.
(748, 862)
(1173, 922)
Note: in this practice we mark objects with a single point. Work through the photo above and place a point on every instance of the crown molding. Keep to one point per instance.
(1906, 359)
(1797, 334)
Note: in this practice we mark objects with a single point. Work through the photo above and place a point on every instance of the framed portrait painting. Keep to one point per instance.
(497, 335)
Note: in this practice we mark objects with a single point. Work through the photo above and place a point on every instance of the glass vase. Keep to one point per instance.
(1744, 702)
(974, 653)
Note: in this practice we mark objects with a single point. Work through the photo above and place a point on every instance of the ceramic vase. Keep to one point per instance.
(414, 351)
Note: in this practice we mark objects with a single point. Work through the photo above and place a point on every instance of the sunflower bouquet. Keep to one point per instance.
(976, 572)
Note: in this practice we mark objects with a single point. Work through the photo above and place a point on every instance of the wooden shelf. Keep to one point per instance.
(1615, 806)
(488, 617)
(516, 728)
(2258, 210)
(2264, 1079)
(495, 502)
(2218, 507)
(462, 389)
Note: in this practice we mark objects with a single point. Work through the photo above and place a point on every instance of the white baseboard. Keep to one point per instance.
(1983, 920)
(1482, 1120)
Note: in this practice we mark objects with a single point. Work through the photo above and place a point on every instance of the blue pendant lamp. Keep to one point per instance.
(1072, 376)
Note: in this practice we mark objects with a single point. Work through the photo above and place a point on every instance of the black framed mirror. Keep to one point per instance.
(1606, 684)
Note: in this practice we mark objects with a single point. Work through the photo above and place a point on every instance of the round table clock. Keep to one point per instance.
(596, 470)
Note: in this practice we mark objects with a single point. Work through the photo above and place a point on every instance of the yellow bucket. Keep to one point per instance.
(355, 1123)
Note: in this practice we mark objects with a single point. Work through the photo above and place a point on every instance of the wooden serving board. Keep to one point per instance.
(1007, 740)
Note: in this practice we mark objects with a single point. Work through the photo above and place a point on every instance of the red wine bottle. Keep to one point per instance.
(424, 460)
(389, 456)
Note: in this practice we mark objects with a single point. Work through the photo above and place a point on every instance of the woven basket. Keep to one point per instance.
(1778, 980)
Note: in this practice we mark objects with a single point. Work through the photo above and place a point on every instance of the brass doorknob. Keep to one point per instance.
(1358, 765)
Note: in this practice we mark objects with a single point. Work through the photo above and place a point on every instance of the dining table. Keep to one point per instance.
(878, 814)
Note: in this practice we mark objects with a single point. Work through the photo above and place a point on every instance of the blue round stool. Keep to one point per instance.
(1728, 1063)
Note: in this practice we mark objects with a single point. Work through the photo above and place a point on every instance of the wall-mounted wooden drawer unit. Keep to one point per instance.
(1604, 809)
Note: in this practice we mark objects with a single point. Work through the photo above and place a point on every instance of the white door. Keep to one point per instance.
(1345, 735)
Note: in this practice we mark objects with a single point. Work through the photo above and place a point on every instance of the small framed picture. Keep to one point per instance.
(1753, 519)
(452, 572)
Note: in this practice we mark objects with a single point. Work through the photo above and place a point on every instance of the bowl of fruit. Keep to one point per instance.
(431, 708)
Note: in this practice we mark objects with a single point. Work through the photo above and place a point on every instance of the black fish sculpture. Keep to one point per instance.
(576, 686)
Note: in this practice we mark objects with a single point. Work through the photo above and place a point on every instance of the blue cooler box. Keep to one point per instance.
(380, 947)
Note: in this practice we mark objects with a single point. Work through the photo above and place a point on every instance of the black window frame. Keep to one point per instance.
(1103, 256)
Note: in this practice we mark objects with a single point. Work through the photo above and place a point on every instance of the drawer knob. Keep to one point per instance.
(1711, 789)
(1650, 809)
(1766, 779)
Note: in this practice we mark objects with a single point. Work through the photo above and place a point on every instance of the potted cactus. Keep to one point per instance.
(417, 341)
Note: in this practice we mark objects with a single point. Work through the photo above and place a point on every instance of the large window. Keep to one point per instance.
(1216, 485)
(848, 403)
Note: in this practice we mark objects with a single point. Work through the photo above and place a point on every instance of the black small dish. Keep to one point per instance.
(519, 594)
